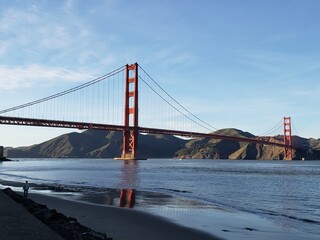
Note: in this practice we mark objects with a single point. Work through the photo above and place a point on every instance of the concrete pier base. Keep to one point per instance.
(129, 159)
(129, 156)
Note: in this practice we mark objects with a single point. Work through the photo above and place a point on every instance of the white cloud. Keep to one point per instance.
(40, 31)
(20, 27)
(20, 77)
(58, 37)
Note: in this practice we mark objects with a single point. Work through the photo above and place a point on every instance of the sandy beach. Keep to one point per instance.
(169, 204)
(120, 223)
(126, 224)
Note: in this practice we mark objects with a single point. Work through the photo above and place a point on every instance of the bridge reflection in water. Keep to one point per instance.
(128, 183)
(127, 198)
(122, 196)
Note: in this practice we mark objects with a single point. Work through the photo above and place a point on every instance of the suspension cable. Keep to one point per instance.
(273, 129)
(174, 106)
(207, 124)
(96, 80)
(295, 128)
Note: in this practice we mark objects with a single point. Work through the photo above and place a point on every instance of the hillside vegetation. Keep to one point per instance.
(108, 144)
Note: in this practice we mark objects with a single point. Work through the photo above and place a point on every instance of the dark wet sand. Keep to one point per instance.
(120, 223)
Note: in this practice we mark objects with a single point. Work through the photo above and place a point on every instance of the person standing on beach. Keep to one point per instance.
(25, 189)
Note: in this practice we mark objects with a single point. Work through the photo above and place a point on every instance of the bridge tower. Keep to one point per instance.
(130, 132)
(287, 138)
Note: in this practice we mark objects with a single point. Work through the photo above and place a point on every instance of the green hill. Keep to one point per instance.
(223, 149)
(97, 144)
(108, 144)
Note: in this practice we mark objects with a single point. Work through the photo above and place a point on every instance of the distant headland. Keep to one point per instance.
(107, 144)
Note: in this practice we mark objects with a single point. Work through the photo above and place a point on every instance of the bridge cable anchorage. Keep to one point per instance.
(96, 80)
(273, 129)
(203, 122)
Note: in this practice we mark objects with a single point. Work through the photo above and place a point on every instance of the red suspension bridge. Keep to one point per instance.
(95, 105)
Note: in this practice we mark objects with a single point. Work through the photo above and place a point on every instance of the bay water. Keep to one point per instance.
(285, 194)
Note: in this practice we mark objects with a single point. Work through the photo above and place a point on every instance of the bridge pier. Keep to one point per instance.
(287, 139)
(131, 133)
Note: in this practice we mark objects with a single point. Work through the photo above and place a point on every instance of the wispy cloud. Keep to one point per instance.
(18, 77)
(306, 93)
(282, 65)
(33, 28)
(38, 45)
(277, 38)
(54, 35)
(174, 56)
(265, 61)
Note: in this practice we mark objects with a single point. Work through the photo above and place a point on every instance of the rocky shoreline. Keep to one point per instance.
(67, 227)
(4, 159)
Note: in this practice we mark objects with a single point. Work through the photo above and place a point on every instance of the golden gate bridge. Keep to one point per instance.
(95, 105)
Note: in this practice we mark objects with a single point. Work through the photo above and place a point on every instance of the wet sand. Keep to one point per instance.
(120, 223)
(145, 221)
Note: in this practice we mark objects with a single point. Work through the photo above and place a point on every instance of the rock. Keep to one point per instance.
(66, 227)
(4, 159)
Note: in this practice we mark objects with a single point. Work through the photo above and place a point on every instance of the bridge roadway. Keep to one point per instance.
(108, 127)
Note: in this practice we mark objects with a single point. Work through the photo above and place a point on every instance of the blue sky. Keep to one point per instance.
(243, 64)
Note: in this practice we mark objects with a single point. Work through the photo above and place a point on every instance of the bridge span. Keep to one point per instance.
(98, 92)
(108, 127)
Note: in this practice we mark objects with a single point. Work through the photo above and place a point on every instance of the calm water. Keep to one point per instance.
(286, 193)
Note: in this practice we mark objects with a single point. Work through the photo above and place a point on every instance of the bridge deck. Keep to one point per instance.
(108, 127)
